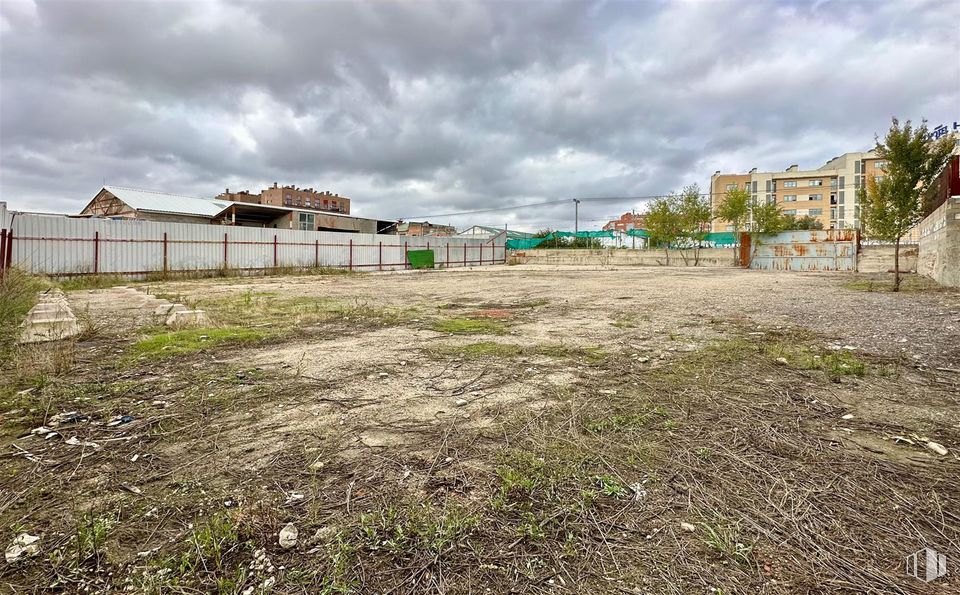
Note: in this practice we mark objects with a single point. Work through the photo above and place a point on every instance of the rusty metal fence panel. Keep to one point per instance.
(63, 246)
(814, 250)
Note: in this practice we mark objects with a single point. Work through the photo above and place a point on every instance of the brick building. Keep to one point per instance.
(424, 228)
(628, 220)
(292, 197)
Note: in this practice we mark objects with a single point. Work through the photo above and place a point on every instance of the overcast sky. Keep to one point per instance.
(422, 108)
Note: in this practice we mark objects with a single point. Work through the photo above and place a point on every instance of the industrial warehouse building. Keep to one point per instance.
(117, 202)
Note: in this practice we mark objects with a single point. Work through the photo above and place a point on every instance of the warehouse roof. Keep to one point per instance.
(162, 202)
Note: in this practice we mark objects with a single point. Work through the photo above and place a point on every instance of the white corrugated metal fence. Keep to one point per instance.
(59, 245)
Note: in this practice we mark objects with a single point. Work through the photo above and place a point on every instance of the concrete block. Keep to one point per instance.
(51, 319)
(187, 318)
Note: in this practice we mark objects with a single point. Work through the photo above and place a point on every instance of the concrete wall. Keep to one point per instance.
(940, 244)
(710, 257)
(879, 259)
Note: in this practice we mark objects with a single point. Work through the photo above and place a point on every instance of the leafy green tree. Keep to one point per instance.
(735, 208)
(664, 222)
(767, 218)
(806, 222)
(695, 217)
(555, 242)
(890, 206)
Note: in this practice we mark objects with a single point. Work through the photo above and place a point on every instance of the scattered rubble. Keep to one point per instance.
(288, 536)
(24, 545)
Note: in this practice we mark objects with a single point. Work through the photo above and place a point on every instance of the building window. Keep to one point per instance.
(833, 198)
(789, 198)
(841, 212)
(880, 165)
(306, 221)
(790, 184)
(729, 228)
(771, 199)
(731, 187)
(877, 178)
(833, 183)
(815, 197)
(288, 197)
(815, 183)
(815, 212)
(287, 201)
(789, 211)
(833, 212)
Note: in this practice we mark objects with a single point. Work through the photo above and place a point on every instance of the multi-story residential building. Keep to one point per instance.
(828, 193)
(292, 197)
(627, 221)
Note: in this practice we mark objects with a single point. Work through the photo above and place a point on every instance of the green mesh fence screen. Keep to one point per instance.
(530, 243)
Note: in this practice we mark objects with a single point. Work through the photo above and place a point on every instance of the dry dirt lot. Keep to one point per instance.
(504, 430)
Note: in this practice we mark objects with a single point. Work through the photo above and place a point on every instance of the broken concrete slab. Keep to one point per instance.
(187, 318)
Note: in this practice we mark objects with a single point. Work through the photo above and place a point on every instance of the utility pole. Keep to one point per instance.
(633, 225)
(576, 215)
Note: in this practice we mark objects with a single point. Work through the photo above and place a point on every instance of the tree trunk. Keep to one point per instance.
(896, 264)
(736, 248)
(667, 252)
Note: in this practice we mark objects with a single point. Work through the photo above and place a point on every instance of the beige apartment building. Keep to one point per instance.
(293, 198)
(828, 193)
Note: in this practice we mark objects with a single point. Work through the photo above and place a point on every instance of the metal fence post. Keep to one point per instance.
(96, 252)
(165, 265)
(316, 253)
(464, 255)
(448, 254)
(274, 250)
(481, 254)
(225, 262)
(350, 262)
(10, 248)
(3, 251)
(404, 255)
(380, 261)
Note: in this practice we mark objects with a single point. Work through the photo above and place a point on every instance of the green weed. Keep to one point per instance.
(187, 341)
(90, 533)
(834, 363)
(210, 543)
(18, 293)
(724, 538)
(415, 529)
(486, 349)
(468, 326)
(94, 281)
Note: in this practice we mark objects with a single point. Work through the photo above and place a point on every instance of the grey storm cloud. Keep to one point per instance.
(422, 108)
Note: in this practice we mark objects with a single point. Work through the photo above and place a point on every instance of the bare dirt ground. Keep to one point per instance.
(505, 429)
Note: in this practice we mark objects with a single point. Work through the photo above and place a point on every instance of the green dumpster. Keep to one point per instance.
(420, 259)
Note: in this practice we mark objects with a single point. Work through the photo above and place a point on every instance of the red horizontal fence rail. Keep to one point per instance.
(101, 254)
